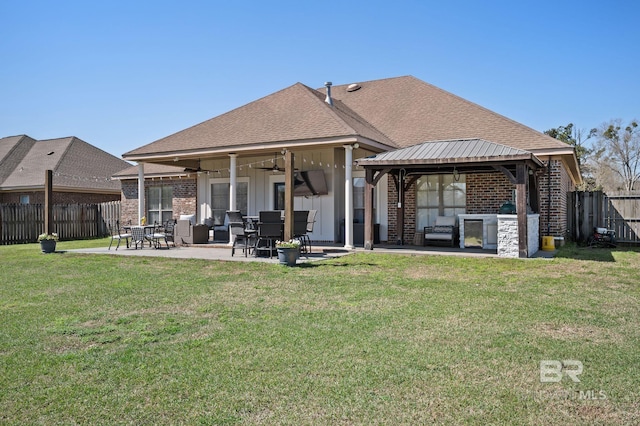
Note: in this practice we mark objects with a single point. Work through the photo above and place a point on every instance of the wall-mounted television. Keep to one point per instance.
(310, 182)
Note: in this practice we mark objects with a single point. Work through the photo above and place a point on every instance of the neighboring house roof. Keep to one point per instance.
(297, 113)
(77, 166)
(151, 170)
(461, 151)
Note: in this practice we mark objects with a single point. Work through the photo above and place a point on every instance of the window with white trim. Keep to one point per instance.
(160, 204)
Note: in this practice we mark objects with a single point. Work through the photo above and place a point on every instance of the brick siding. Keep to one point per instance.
(184, 197)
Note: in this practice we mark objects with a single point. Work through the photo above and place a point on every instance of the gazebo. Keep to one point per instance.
(406, 165)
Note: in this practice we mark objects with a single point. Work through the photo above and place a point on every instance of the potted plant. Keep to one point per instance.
(288, 252)
(48, 242)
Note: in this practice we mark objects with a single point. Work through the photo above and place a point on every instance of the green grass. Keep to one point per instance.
(363, 339)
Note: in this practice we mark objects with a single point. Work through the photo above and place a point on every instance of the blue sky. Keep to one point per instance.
(121, 74)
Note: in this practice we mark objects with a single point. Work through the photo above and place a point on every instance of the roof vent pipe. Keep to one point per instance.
(328, 98)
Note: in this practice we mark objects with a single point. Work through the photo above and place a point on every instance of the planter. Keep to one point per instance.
(288, 256)
(48, 246)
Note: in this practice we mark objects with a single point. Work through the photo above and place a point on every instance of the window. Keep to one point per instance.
(24, 199)
(278, 196)
(160, 204)
(439, 195)
(359, 185)
(220, 200)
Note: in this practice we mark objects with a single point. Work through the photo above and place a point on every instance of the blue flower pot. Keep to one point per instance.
(48, 246)
(288, 256)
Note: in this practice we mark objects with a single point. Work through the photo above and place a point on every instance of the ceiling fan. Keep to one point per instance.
(275, 167)
(199, 169)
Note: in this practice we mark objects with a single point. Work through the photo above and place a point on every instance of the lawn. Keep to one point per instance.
(363, 339)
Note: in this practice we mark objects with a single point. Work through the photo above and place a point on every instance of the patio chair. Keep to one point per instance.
(300, 219)
(270, 228)
(118, 234)
(137, 236)
(311, 219)
(166, 233)
(268, 234)
(240, 232)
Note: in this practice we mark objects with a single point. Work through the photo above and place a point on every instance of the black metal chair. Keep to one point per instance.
(118, 234)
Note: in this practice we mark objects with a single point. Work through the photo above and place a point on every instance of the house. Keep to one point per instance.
(356, 135)
(81, 172)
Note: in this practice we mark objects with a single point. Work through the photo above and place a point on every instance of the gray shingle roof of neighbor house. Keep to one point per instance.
(76, 165)
(297, 113)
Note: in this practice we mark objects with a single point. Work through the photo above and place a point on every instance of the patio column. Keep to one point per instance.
(522, 172)
(288, 196)
(140, 192)
(233, 178)
(348, 197)
(368, 210)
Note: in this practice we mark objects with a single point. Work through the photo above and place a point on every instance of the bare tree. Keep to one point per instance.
(617, 155)
(577, 138)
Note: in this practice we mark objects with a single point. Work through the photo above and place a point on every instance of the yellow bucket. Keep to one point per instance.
(548, 244)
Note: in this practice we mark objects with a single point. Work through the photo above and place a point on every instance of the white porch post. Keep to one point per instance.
(140, 192)
(348, 197)
(232, 186)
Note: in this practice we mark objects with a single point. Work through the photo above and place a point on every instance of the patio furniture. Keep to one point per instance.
(187, 233)
(311, 219)
(118, 234)
(241, 232)
(300, 221)
(220, 227)
(443, 230)
(270, 229)
(137, 236)
(164, 232)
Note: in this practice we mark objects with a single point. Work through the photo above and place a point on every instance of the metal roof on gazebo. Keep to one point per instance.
(448, 152)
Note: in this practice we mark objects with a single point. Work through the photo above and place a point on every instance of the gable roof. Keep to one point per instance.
(410, 111)
(461, 151)
(76, 165)
(385, 114)
(297, 113)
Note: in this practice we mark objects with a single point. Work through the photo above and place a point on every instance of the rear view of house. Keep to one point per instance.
(356, 139)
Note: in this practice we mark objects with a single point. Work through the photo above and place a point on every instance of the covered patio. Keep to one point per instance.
(469, 156)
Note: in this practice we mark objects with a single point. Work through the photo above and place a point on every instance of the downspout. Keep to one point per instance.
(140, 192)
(549, 197)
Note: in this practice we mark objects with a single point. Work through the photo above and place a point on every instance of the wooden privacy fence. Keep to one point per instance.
(22, 223)
(619, 211)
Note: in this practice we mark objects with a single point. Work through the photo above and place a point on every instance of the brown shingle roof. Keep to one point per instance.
(297, 113)
(76, 165)
(411, 111)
